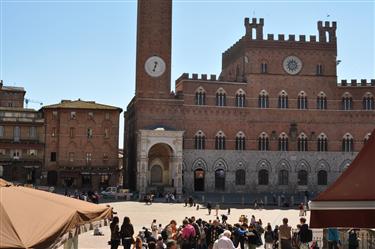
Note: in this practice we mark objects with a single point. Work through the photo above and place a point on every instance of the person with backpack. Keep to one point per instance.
(253, 238)
(333, 238)
(187, 235)
(269, 237)
(285, 235)
(304, 234)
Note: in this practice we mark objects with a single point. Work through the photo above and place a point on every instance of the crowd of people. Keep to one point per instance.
(212, 234)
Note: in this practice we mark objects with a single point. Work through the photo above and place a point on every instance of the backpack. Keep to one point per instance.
(309, 235)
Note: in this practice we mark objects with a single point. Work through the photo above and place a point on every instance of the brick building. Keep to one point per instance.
(21, 138)
(275, 120)
(81, 144)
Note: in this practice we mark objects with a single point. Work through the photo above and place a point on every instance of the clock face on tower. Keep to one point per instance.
(155, 66)
(292, 65)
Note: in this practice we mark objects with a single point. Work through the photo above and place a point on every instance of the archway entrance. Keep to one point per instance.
(199, 180)
(220, 180)
(156, 175)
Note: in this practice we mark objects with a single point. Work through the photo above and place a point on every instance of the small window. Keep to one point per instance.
(53, 156)
(106, 133)
(199, 141)
(105, 157)
(32, 152)
(240, 177)
(54, 115)
(319, 69)
(16, 134)
(71, 132)
(53, 132)
(88, 157)
(89, 133)
(71, 156)
(107, 116)
(73, 115)
(263, 68)
(32, 132)
(91, 115)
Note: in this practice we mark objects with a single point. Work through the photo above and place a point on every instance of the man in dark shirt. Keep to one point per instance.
(303, 234)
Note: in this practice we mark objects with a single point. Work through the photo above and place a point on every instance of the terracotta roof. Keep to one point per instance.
(80, 104)
(357, 182)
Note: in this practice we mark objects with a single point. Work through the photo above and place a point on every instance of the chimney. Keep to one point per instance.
(1, 84)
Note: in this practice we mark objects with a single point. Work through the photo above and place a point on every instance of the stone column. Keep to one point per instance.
(177, 165)
(142, 166)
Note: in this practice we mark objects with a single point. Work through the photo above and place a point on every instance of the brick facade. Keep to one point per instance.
(251, 67)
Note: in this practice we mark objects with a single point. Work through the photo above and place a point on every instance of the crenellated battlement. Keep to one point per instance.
(195, 76)
(356, 83)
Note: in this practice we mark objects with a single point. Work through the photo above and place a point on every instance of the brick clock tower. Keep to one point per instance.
(154, 42)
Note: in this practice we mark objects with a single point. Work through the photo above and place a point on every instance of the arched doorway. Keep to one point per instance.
(220, 180)
(199, 180)
(156, 175)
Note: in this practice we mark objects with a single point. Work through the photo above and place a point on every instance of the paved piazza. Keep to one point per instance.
(142, 215)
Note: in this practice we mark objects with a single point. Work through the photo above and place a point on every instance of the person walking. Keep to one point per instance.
(333, 238)
(127, 232)
(285, 235)
(187, 235)
(115, 233)
(225, 242)
(303, 234)
(269, 237)
(209, 207)
(253, 238)
(353, 239)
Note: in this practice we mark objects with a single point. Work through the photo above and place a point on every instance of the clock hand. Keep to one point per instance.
(155, 65)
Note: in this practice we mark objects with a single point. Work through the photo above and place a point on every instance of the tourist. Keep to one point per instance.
(239, 235)
(213, 233)
(276, 234)
(303, 234)
(171, 244)
(138, 243)
(333, 238)
(269, 237)
(154, 229)
(160, 243)
(225, 242)
(127, 232)
(253, 238)
(252, 221)
(301, 209)
(115, 233)
(285, 235)
(187, 235)
(217, 210)
(353, 239)
(209, 207)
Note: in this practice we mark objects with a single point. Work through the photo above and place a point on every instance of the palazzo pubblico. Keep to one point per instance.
(276, 119)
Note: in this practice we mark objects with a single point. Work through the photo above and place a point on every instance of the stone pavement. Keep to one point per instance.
(142, 215)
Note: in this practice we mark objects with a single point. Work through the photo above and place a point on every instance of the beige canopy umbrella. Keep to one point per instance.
(33, 218)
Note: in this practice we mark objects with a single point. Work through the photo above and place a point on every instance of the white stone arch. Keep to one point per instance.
(166, 142)
(283, 164)
(200, 133)
(220, 134)
(263, 93)
(322, 135)
(344, 165)
(283, 93)
(200, 89)
(347, 135)
(302, 135)
(322, 95)
(368, 95)
(367, 136)
(155, 161)
(199, 163)
(303, 165)
(221, 90)
(240, 92)
(346, 95)
(322, 165)
(283, 135)
(302, 94)
(240, 134)
(240, 164)
(220, 164)
(264, 164)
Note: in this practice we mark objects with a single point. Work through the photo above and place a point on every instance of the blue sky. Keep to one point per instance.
(65, 49)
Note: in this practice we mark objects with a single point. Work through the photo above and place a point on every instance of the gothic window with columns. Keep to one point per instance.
(367, 137)
(302, 100)
(322, 177)
(220, 97)
(283, 177)
(263, 142)
(368, 102)
(322, 142)
(321, 102)
(200, 96)
(240, 177)
(240, 98)
(200, 140)
(263, 101)
(302, 143)
(220, 141)
(302, 177)
(263, 177)
(347, 102)
(283, 100)
(283, 142)
(240, 141)
(347, 143)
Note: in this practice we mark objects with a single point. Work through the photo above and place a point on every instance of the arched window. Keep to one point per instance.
(220, 179)
(322, 177)
(199, 180)
(367, 137)
(240, 141)
(347, 143)
(302, 142)
(16, 133)
(200, 96)
(302, 101)
(347, 102)
(220, 141)
(283, 177)
(220, 97)
(200, 140)
(368, 102)
(263, 101)
(263, 177)
(263, 142)
(321, 101)
(240, 98)
(263, 67)
(322, 142)
(283, 142)
(240, 177)
(283, 100)
(302, 177)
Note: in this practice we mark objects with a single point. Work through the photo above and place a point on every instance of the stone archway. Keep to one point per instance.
(159, 161)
